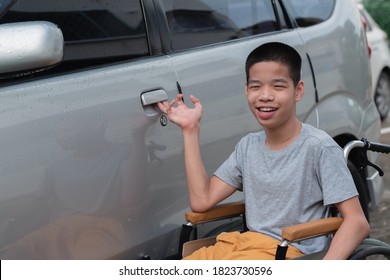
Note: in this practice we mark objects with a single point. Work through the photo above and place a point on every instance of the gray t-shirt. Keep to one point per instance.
(289, 186)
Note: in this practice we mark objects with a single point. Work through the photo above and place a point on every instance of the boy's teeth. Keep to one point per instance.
(267, 109)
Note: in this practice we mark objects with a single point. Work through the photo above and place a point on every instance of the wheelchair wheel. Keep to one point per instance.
(363, 254)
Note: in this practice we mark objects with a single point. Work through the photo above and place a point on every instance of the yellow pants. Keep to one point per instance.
(242, 246)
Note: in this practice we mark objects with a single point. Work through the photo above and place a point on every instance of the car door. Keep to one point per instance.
(210, 42)
(78, 139)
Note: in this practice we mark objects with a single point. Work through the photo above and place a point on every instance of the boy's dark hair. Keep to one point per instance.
(277, 52)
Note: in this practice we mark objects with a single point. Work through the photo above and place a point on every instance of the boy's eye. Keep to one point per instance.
(277, 86)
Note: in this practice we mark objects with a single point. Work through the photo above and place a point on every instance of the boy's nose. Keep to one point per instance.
(266, 95)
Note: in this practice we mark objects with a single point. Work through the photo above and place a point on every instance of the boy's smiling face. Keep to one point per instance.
(272, 95)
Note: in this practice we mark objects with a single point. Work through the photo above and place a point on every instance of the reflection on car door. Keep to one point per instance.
(78, 146)
(73, 162)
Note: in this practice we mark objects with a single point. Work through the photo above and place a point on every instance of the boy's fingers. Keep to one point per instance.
(179, 98)
(162, 106)
(171, 104)
(195, 101)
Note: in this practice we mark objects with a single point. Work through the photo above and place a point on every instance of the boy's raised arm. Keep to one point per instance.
(204, 193)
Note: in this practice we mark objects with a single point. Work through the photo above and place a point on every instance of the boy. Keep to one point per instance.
(289, 172)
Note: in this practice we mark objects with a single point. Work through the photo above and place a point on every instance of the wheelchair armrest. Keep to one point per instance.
(311, 229)
(221, 211)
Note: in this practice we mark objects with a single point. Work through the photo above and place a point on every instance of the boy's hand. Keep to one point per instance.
(180, 114)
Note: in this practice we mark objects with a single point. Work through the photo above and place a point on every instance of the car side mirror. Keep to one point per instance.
(28, 46)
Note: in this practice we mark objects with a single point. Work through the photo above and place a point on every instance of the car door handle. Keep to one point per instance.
(152, 97)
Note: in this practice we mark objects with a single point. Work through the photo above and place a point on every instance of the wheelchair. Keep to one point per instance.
(369, 248)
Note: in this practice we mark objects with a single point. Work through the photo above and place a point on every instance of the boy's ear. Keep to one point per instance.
(246, 88)
(299, 90)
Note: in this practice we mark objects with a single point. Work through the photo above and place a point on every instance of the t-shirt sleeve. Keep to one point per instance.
(334, 176)
(230, 170)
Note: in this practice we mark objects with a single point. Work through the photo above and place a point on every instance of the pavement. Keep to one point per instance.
(380, 217)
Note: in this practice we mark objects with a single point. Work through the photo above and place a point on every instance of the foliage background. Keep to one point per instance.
(380, 12)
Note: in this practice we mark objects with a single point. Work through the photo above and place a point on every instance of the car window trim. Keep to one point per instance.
(152, 27)
(164, 33)
(286, 6)
(282, 16)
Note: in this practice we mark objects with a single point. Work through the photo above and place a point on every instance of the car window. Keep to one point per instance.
(311, 12)
(95, 32)
(203, 22)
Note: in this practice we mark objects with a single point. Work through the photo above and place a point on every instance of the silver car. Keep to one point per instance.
(91, 169)
(380, 63)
